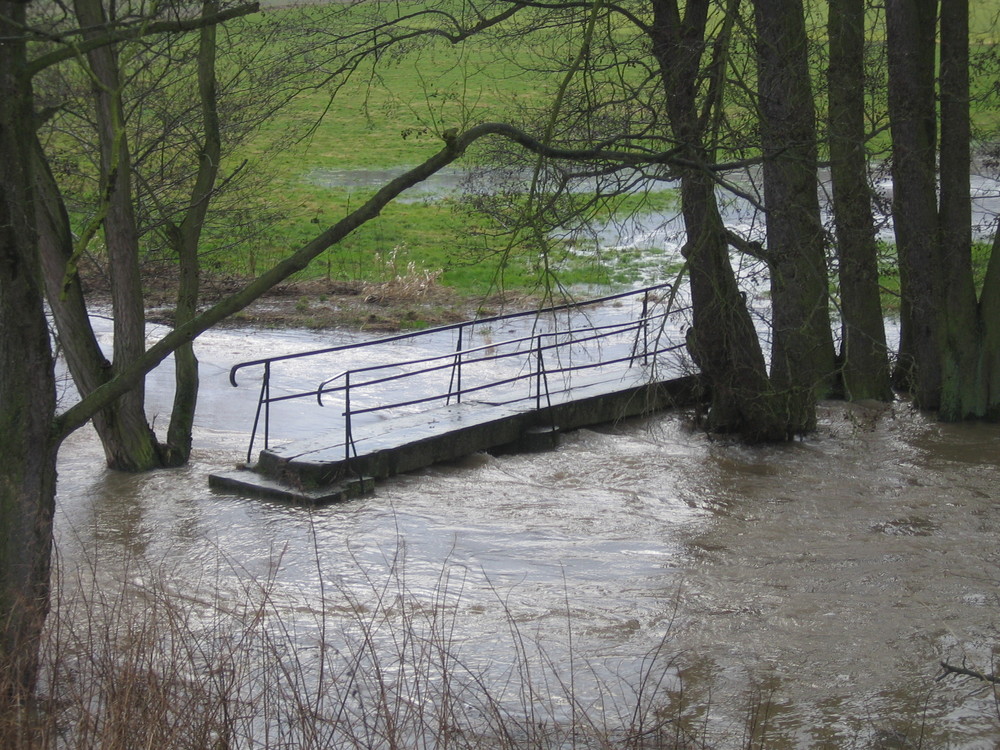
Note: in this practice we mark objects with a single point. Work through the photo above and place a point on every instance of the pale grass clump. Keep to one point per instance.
(398, 282)
(371, 665)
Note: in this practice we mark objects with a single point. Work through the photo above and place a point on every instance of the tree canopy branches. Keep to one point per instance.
(114, 33)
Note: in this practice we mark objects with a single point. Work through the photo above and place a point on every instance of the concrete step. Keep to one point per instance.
(249, 483)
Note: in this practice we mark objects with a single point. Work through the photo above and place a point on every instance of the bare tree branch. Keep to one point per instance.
(748, 247)
(950, 669)
(114, 35)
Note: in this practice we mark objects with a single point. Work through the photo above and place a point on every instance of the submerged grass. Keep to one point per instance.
(441, 236)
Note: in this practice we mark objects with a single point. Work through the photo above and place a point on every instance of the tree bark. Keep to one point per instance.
(802, 356)
(963, 392)
(722, 341)
(864, 356)
(989, 317)
(132, 446)
(911, 27)
(87, 364)
(27, 385)
(185, 240)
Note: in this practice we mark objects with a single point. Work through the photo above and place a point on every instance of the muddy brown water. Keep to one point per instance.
(823, 580)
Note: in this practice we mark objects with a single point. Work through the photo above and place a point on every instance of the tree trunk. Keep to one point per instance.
(133, 446)
(989, 316)
(864, 357)
(27, 385)
(87, 364)
(802, 360)
(185, 240)
(911, 26)
(723, 340)
(963, 393)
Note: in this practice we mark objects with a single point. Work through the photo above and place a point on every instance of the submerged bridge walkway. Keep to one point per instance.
(508, 382)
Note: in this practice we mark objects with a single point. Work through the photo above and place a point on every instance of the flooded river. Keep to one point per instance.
(815, 585)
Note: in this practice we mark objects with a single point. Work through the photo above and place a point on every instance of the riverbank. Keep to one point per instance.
(403, 303)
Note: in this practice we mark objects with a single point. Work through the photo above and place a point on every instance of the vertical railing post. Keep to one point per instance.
(456, 371)
(267, 403)
(538, 373)
(645, 327)
(461, 330)
(263, 400)
(348, 435)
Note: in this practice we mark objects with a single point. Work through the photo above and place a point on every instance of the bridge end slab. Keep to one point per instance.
(250, 483)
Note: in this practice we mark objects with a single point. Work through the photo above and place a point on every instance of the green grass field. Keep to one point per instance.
(392, 115)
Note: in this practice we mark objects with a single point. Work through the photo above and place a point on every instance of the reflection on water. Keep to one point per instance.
(818, 583)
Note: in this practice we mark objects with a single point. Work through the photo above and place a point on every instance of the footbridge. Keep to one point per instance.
(329, 422)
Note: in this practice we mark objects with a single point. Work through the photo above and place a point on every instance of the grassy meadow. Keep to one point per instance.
(391, 115)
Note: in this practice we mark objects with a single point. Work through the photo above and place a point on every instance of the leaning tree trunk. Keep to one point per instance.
(27, 386)
(723, 340)
(802, 356)
(133, 447)
(864, 356)
(78, 344)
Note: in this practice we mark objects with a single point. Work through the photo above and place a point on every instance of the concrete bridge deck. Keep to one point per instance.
(623, 376)
(316, 471)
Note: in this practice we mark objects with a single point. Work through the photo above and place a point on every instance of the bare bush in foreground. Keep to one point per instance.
(372, 665)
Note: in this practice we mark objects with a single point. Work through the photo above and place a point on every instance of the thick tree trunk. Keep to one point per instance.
(963, 393)
(723, 340)
(27, 386)
(864, 357)
(87, 364)
(134, 446)
(911, 26)
(803, 364)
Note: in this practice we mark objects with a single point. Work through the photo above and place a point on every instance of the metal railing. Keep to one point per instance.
(535, 357)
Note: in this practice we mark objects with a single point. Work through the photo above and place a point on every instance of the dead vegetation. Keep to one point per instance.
(130, 664)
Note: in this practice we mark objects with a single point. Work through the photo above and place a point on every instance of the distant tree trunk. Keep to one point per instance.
(27, 385)
(865, 361)
(802, 361)
(132, 446)
(911, 32)
(722, 341)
